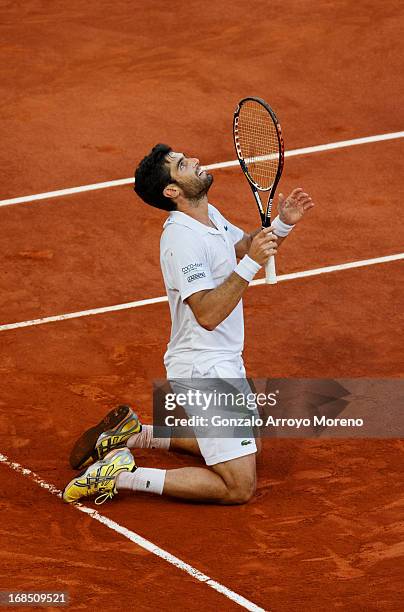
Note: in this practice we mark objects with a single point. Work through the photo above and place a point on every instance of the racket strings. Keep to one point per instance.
(258, 143)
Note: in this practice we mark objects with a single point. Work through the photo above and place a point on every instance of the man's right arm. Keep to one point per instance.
(212, 306)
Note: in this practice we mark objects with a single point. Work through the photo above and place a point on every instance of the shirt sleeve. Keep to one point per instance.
(185, 264)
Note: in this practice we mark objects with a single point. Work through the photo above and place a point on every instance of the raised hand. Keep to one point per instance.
(293, 208)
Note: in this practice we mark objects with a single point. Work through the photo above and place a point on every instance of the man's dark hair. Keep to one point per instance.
(152, 176)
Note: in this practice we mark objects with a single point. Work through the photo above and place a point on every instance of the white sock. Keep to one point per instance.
(144, 439)
(147, 480)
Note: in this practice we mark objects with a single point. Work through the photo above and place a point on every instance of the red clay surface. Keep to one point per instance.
(104, 245)
(87, 89)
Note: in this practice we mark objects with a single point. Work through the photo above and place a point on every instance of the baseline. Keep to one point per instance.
(163, 298)
(292, 153)
(137, 539)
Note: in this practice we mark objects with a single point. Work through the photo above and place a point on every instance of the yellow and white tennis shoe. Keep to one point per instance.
(100, 477)
(113, 431)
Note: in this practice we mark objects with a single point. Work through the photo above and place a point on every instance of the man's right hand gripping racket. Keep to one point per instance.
(260, 151)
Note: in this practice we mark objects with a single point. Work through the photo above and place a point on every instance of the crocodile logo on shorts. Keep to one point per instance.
(245, 442)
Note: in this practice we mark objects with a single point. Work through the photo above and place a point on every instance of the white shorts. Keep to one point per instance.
(217, 450)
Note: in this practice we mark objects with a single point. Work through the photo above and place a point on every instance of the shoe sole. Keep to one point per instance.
(84, 448)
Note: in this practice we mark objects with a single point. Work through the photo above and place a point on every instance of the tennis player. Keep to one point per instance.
(198, 253)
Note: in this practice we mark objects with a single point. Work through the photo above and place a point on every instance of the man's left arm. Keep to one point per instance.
(291, 210)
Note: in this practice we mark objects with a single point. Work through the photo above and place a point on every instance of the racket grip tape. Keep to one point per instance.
(270, 272)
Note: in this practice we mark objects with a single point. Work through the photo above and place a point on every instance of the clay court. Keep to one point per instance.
(87, 89)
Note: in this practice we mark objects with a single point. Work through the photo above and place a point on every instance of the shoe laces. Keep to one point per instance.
(101, 499)
(102, 483)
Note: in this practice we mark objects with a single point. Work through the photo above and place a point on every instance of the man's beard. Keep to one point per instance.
(197, 188)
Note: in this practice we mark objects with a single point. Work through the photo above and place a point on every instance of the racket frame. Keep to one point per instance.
(265, 214)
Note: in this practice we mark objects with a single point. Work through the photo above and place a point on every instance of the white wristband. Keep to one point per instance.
(247, 268)
(281, 229)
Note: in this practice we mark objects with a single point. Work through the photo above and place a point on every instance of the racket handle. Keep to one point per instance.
(270, 272)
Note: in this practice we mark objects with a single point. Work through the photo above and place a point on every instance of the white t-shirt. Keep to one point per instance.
(194, 257)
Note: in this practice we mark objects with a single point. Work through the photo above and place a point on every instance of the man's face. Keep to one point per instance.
(188, 175)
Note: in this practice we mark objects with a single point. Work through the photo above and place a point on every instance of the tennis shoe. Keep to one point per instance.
(100, 477)
(112, 432)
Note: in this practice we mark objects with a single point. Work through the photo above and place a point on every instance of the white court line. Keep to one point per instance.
(137, 539)
(158, 300)
(307, 150)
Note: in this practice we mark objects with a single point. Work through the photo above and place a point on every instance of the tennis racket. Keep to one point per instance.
(260, 151)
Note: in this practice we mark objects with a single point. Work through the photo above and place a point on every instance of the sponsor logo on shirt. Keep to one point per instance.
(191, 267)
(195, 276)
